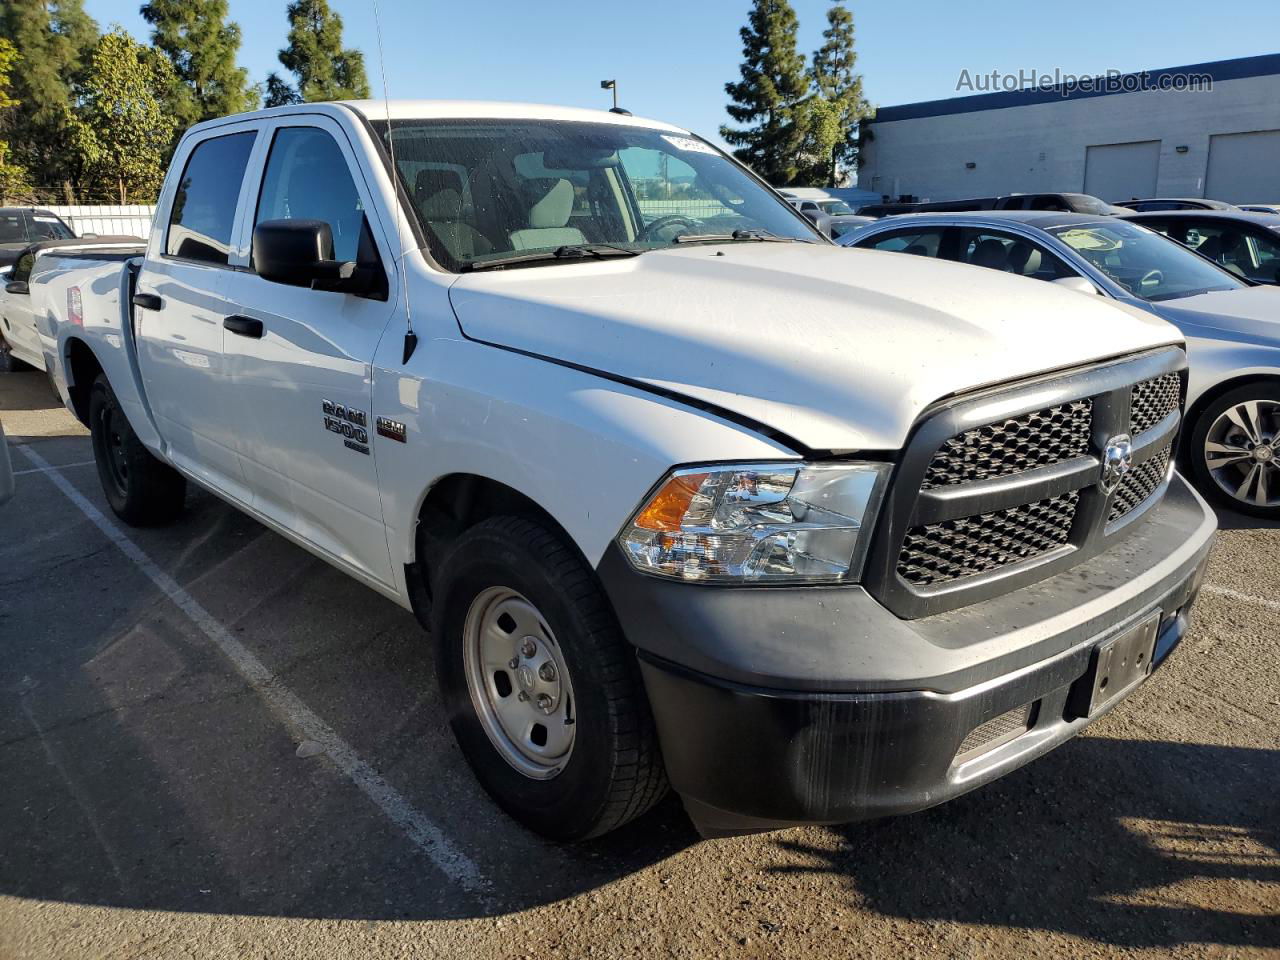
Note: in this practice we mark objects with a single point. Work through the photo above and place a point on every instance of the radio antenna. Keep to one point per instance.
(410, 338)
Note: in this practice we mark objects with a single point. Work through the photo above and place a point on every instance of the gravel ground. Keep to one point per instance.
(154, 802)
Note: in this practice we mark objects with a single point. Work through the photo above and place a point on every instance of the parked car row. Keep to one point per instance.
(1063, 202)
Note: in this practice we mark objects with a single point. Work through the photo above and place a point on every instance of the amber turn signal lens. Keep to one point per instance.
(666, 510)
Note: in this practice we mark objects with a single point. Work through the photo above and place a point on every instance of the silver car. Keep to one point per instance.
(1231, 446)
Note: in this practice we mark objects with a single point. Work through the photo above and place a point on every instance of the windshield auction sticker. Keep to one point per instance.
(689, 144)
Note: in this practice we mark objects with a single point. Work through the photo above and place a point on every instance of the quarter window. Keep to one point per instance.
(204, 207)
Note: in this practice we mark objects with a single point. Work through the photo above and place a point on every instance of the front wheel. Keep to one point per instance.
(141, 490)
(542, 690)
(1234, 453)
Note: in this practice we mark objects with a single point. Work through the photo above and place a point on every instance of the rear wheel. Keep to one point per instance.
(543, 692)
(1235, 449)
(141, 490)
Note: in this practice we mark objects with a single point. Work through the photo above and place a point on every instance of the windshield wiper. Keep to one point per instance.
(760, 236)
(573, 251)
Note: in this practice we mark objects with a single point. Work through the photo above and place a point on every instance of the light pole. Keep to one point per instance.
(611, 85)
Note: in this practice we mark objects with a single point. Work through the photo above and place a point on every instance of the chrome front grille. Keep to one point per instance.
(1153, 400)
(1011, 446)
(1139, 485)
(1006, 487)
(941, 552)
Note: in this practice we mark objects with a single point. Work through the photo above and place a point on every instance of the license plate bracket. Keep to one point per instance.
(1116, 666)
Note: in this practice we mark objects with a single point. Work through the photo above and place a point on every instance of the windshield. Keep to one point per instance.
(1084, 203)
(44, 226)
(1148, 265)
(490, 190)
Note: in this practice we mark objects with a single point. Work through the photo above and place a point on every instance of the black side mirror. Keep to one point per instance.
(300, 253)
(820, 220)
(17, 286)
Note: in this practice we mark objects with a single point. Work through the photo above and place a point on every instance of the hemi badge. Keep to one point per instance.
(391, 429)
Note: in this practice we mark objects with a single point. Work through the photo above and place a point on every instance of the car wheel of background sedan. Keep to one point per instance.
(1234, 452)
(140, 489)
(542, 690)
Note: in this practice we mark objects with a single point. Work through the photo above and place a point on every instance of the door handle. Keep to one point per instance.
(244, 326)
(148, 301)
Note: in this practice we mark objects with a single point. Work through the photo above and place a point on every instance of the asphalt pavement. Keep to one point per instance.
(213, 744)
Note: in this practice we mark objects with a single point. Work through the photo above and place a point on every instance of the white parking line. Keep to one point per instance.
(61, 466)
(1242, 597)
(300, 718)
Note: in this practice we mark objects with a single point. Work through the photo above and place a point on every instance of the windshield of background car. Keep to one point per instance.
(1148, 265)
(42, 226)
(836, 208)
(490, 189)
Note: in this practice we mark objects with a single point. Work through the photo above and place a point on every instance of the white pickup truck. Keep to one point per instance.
(684, 493)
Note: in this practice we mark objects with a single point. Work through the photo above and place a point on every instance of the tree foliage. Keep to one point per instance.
(14, 184)
(201, 46)
(53, 39)
(120, 128)
(837, 83)
(767, 100)
(323, 68)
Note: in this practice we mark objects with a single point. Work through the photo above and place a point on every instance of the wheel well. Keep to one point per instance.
(83, 368)
(455, 504)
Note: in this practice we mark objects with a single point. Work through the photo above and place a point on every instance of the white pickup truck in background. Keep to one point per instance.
(691, 497)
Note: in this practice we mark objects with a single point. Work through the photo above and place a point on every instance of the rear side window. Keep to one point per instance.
(921, 243)
(1010, 254)
(204, 208)
(307, 178)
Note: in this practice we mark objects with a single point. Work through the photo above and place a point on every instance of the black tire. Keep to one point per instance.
(142, 491)
(1193, 453)
(11, 364)
(614, 772)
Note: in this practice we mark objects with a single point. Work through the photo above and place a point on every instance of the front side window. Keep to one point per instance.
(1146, 264)
(1010, 254)
(488, 190)
(204, 207)
(307, 178)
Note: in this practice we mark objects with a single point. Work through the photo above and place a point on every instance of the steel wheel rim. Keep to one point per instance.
(1242, 452)
(519, 686)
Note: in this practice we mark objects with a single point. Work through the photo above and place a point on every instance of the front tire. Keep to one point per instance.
(142, 491)
(542, 691)
(1234, 450)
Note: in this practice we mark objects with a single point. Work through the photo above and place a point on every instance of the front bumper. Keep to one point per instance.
(801, 705)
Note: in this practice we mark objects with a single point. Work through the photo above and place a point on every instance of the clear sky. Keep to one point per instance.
(672, 57)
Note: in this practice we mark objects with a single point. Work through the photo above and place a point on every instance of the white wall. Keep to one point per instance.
(132, 220)
(1042, 147)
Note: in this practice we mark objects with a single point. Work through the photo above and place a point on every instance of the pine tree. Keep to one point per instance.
(836, 82)
(54, 40)
(201, 46)
(324, 69)
(120, 128)
(768, 98)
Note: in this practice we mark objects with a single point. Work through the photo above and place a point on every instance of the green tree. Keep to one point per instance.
(120, 126)
(53, 38)
(201, 46)
(324, 69)
(836, 82)
(14, 185)
(767, 101)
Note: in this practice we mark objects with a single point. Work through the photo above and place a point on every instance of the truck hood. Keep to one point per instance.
(839, 349)
(1250, 314)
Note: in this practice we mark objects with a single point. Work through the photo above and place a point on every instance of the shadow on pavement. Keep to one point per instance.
(1100, 839)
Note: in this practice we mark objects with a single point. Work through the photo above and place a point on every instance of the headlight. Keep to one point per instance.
(757, 523)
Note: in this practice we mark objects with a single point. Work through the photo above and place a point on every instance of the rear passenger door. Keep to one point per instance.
(190, 258)
(302, 385)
